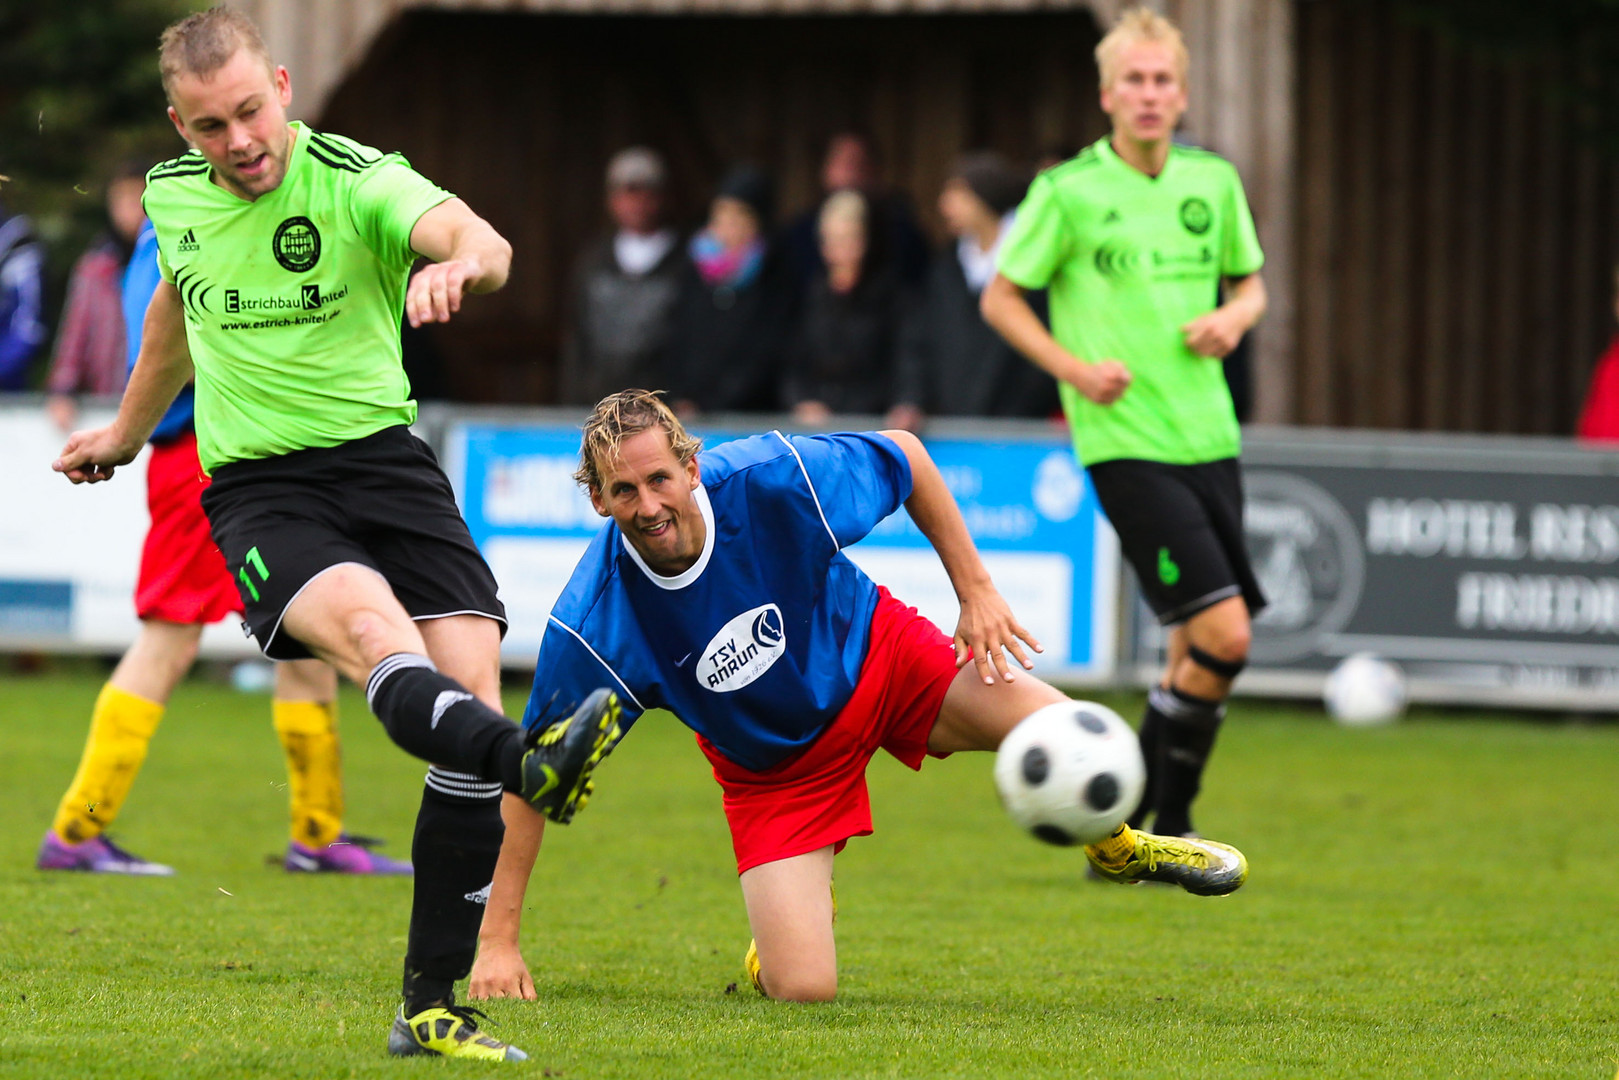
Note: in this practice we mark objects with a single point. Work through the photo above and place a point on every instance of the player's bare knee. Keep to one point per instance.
(802, 987)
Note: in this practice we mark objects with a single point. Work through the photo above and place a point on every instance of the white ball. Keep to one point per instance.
(1070, 773)
(1365, 690)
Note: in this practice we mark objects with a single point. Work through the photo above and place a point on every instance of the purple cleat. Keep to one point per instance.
(97, 855)
(348, 855)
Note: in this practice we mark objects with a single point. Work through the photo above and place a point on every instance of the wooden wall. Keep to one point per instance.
(519, 114)
(1456, 239)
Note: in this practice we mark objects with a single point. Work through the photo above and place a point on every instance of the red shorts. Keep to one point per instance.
(819, 797)
(183, 577)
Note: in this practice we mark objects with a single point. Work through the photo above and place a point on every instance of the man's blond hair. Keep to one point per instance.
(1135, 26)
(205, 41)
(621, 416)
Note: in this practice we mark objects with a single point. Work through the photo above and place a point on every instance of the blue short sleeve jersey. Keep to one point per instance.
(141, 277)
(757, 646)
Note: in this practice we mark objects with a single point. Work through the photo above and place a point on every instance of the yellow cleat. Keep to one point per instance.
(1201, 867)
(447, 1031)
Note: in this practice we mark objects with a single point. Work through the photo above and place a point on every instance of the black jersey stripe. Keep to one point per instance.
(162, 173)
(338, 150)
(332, 162)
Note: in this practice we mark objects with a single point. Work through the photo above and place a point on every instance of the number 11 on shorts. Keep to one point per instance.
(256, 563)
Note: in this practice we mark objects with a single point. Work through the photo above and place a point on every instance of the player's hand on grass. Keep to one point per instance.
(434, 293)
(986, 632)
(1214, 335)
(90, 456)
(1103, 382)
(499, 972)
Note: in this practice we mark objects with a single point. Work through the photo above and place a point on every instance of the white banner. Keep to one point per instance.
(69, 554)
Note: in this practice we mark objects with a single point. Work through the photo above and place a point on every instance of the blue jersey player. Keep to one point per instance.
(720, 591)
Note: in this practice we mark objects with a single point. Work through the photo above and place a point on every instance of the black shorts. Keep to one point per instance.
(1180, 527)
(381, 501)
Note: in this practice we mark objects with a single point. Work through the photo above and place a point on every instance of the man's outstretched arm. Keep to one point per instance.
(468, 255)
(987, 630)
(162, 369)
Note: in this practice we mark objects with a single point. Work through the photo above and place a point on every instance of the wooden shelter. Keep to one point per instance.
(1438, 241)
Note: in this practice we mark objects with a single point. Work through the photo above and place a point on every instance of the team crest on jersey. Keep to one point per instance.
(743, 650)
(296, 244)
(1196, 216)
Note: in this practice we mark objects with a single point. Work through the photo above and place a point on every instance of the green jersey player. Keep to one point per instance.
(1134, 239)
(285, 255)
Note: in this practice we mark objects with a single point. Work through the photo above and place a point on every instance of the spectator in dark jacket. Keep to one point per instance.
(735, 306)
(895, 243)
(842, 357)
(22, 274)
(951, 363)
(624, 287)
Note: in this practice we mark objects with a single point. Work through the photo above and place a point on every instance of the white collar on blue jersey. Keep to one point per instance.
(693, 572)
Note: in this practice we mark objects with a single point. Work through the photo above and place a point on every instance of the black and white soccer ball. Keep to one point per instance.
(1070, 773)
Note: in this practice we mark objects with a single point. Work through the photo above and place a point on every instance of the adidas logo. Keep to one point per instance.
(188, 242)
(481, 896)
(1112, 218)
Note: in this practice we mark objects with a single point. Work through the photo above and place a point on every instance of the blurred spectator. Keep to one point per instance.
(91, 349)
(1599, 417)
(624, 287)
(842, 358)
(951, 363)
(735, 305)
(896, 241)
(22, 264)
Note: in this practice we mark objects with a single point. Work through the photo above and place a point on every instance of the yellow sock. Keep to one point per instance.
(121, 726)
(308, 733)
(1116, 849)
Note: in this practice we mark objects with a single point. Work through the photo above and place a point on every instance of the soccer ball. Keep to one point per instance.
(1365, 690)
(1070, 773)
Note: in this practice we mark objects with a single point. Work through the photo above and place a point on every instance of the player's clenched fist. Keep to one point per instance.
(435, 292)
(90, 456)
(1103, 382)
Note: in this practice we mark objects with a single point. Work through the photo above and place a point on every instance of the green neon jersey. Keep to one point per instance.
(293, 301)
(1128, 260)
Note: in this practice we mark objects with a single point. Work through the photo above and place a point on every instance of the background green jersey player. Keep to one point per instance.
(1134, 239)
(285, 254)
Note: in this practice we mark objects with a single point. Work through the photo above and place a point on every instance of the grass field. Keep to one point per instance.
(1435, 899)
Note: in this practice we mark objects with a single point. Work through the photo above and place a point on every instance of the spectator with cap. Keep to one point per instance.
(896, 242)
(735, 307)
(841, 359)
(624, 287)
(950, 362)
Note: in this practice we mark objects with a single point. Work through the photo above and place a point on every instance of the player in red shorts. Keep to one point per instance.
(184, 586)
(720, 592)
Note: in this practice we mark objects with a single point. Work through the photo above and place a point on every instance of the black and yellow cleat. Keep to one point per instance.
(447, 1031)
(1201, 867)
(560, 758)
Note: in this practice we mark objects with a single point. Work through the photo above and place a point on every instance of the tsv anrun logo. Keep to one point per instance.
(743, 650)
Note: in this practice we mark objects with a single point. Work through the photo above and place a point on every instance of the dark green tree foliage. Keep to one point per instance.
(79, 92)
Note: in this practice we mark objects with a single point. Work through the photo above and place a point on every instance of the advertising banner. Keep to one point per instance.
(69, 554)
(1027, 504)
(1487, 569)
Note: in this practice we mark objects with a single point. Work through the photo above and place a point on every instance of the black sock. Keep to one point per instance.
(1190, 725)
(433, 717)
(458, 833)
(1151, 737)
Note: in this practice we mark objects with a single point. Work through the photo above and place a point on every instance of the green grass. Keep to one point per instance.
(1433, 899)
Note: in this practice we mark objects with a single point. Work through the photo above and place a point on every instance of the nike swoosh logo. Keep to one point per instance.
(682, 661)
